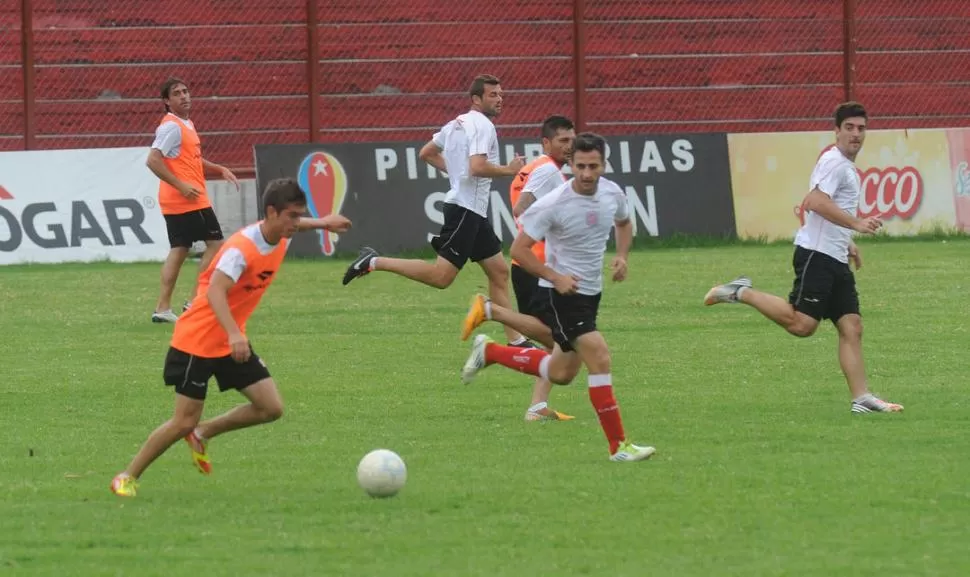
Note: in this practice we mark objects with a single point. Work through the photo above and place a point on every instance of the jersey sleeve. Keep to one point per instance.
(827, 176)
(622, 206)
(168, 139)
(537, 220)
(480, 137)
(232, 263)
(543, 180)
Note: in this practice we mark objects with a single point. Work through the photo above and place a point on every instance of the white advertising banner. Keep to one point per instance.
(79, 206)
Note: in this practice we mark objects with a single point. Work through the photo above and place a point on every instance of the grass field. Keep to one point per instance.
(761, 468)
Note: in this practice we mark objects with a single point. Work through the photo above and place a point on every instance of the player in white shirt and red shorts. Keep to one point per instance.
(824, 286)
(466, 148)
(575, 220)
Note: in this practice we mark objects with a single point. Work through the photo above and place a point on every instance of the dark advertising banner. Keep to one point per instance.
(676, 184)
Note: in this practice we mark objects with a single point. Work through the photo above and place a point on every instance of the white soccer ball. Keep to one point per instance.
(381, 473)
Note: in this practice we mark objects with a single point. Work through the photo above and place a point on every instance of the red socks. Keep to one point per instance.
(524, 360)
(601, 396)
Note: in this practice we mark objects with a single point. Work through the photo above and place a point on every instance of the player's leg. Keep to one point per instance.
(189, 376)
(453, 244)
(482, 309)
(799, 315)
(844, 308)
(559, 366)
(179, 241)
(265, 405)
(578, 316)
(487, 252)
(211, 233)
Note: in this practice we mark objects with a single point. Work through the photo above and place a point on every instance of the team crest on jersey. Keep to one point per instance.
(592, 218)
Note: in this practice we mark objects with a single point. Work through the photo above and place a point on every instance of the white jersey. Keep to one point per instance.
(836, 176)
(168, 137)
(544, 179)
(468, 135)
(576, 228)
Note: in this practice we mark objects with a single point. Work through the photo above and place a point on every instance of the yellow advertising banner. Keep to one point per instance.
(906, 176)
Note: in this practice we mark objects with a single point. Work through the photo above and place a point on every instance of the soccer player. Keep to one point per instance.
(467, 149)
(210, 338)
(176, 159)
(575, 220)
(824, 286)
(535, 180)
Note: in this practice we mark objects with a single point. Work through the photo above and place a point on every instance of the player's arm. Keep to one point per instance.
(481, 167)
(624, 240)
(225, 173)
(431, 154)
(156, 163)
(332, 222)
(218, 295)
(522, 252)
(526, 199)
(821, 203)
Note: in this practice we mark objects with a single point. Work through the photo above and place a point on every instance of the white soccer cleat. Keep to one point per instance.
(164, 317)
(627, 451)
(870, 403)
(727, 293)
(476, 360)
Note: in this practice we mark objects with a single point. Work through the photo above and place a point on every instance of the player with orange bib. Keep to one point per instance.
(176, 159)
(535, 180)
(210, 338)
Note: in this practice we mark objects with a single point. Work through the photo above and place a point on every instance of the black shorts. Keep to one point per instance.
(526, 289)
(188, 227)
(190, 374)
(824, 287)
(569, 316)
(465, 236)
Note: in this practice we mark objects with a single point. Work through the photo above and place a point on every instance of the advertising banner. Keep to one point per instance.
(78, 206)
(905, 175)
(674, 184)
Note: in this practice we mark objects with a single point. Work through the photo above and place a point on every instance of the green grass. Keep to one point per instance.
(761, 468)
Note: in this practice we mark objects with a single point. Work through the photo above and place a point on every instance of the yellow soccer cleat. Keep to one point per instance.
(199, 455)
(475, 318)
(547, 414)
(124, 485)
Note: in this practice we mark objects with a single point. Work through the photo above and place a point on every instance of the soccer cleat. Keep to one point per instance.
(475, 316)
(124, 485)
(476, 360)
(361, 265)
(627, 451)
(547, 414)
(525, 344)
(727, 293)
(870, 403)
(164, 317)
(199, 455)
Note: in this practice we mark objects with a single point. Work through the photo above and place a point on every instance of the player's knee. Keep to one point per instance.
(271, 412)
(185, 424)
(442, 278)
(801, 329)
(850, 327)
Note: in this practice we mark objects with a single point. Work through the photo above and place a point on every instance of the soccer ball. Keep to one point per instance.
(381, 473)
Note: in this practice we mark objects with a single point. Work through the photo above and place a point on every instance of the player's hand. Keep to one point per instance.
(240, 348)
(228, 175)
(868, 225)
(189, 192)
(855, 256)
(566, 284)
(516, 165)
(619, 269)
(337, 223)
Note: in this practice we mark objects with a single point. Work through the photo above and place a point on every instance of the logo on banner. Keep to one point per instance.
(4, 194)
(324, 180)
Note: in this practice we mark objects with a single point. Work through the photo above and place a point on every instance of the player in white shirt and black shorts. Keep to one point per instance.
(824, 286)
(466, 148)
(575, 220)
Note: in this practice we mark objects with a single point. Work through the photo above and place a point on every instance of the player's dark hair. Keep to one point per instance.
(167, 87)
(588, 142)
(479, 83)
(851, 109)
(281, 193)
(552, 125)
